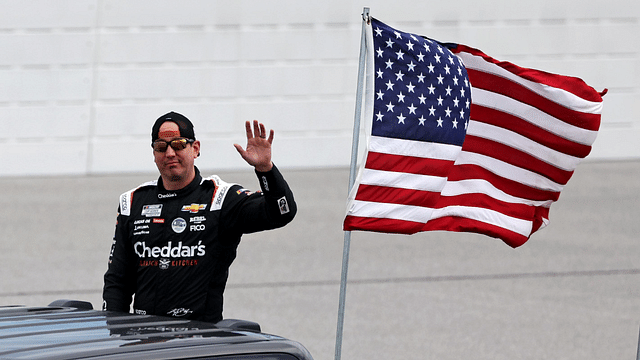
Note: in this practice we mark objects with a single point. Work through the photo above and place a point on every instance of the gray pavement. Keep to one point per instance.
(571, 292)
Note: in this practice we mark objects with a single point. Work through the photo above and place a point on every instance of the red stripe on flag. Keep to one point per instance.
(458, 224)
(515, 157)
(408, 164)
(391, 195)
(513, 188)
(527, 129)
(520, 211)
(500, 85)
(573, 85)
(382, 225)
(541, 213)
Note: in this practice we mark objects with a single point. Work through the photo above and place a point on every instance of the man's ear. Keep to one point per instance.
(196, 148)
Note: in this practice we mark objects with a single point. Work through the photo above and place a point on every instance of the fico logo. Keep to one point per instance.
(196, 227)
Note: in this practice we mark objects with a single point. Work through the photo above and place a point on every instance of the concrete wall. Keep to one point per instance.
(83, 80)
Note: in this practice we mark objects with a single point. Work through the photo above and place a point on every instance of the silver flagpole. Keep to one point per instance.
(352, 177)
(638, 353)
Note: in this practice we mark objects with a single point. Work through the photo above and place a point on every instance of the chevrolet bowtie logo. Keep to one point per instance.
(194, 208)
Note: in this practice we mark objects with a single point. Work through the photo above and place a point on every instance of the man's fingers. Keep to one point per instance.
(263, 131)
(247, 126)
(257, 130)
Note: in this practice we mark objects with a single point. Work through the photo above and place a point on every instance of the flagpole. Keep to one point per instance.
(352, 176)
(638, 353)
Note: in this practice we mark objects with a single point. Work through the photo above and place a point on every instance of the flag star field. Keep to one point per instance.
(422, 91)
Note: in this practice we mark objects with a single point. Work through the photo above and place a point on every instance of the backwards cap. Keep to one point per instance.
(185, 126)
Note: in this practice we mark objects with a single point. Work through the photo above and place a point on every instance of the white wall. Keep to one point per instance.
(83, 80)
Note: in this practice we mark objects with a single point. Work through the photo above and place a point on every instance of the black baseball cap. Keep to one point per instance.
(185, 126)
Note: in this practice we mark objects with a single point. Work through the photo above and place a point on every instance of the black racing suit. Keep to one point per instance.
(173, 249)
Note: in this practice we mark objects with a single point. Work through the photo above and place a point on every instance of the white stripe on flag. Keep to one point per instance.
(480, 186)
(556, 95)
(508, 171)
(533, 115)
(522, 227)
(423, 215)
(390, 211)
(402, 180)
(413, 148)
(524, 144)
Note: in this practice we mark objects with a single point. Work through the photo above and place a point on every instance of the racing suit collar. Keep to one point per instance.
(164, 193)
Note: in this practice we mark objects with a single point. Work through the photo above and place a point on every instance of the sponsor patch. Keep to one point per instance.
(197, 227)
(194, 208)
(158, 221)
(283, 205)
(178, 225)
(152, 210)
(164, 264)
(221, 190)
(124, 203)
(219, 198)
(171, 251)
(197, 219)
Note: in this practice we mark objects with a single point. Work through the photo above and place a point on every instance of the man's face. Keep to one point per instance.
(175, 165)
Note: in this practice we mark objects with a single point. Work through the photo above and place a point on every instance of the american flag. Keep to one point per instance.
(462, 142)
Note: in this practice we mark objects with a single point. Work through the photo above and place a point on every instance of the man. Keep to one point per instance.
(177, 236)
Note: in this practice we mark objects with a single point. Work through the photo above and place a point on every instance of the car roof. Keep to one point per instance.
(73, 330)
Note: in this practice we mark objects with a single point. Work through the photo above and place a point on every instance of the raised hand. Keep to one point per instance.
(258, 149)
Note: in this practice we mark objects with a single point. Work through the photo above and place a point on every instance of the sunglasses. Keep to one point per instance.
(176, 144)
